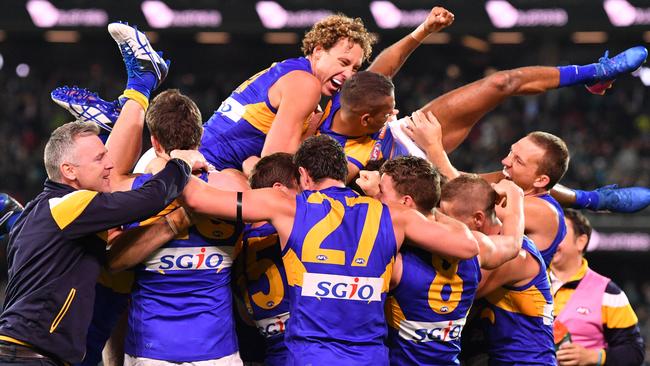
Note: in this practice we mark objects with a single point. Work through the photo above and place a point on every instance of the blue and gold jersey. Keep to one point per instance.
(237, 129)
(549, 252)
(181, 304)
(519, 320)
(426, 312)
(339, 260)
(265, 288)
(358, 149)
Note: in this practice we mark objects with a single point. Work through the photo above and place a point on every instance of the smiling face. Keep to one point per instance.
(335, 65)
(522, 165)
(90, 165)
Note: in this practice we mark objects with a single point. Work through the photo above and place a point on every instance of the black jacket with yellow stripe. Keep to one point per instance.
(55, 252)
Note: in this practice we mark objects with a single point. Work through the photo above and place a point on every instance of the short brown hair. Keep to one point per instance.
(175, 121)
(275, 168)
(323, 158)
(474, 191)
(60, 145)
(331, 29)
(365, 91)
(415, 177)
(579, 223)
(555, 161)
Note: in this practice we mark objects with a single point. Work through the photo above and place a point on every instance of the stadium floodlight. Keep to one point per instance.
(45, 15)
(159, 15)
(274, 16)
(389, 16)
(22, 70)
(623, 14)
(503, 15)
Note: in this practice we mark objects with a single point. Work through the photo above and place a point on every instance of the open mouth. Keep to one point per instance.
(337, 83)
(505, 173)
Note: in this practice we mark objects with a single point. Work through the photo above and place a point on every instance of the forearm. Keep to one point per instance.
(440, 160)
(102, 211)
(125, 142)
(391, 59)
(135, 245)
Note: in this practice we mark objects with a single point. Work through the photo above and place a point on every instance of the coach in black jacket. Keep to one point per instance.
(58, 244)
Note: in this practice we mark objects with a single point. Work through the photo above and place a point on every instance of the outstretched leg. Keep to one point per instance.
(460, 109)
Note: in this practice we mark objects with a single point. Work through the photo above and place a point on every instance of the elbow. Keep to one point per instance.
(470, 247)
(114, 266)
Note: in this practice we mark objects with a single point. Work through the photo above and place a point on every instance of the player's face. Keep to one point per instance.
(387, 192)
(91, 163)
(383, 114)
(332, 67)
(570, 249)
(521, 164)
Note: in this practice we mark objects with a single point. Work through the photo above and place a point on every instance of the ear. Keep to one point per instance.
(541, 181)
(305, 179)
(317, 52)
(68, 171)
(157, 147)
(409, 202)
(478, 219)
(581, 242)
(365, 119)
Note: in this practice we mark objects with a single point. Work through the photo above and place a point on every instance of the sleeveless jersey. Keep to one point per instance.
(265, 284)
(426, 312)
(519, 320)
(181, 304)
(358, 149)
(237, 129)
(549, 252)
(339, 260)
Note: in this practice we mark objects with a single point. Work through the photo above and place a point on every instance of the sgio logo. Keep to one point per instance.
(342, 287)
(196, 258)
(270, 327)
(444, 331)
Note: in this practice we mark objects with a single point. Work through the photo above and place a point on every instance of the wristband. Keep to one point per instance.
(600, 357)
(171, 224)
(417, 34)
(137, 97)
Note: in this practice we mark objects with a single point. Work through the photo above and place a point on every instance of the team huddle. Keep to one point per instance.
(342, 235)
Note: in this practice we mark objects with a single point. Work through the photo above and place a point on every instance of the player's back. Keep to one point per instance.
(427, 310)
(264, 283)
(181, 307)
(339, 260)
(237, 129)
(518, 320)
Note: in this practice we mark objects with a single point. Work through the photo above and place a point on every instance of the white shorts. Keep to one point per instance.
(232, 360)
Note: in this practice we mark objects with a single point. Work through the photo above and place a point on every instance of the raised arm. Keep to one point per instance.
(445, 236)
(498, 249)
(125, 144)
(391, 59)
(299, 94)
(425, 130)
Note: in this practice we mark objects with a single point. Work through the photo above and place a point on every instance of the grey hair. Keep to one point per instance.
(61, 143)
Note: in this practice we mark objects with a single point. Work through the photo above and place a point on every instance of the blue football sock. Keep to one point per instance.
(576, 74)
(586, 199)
